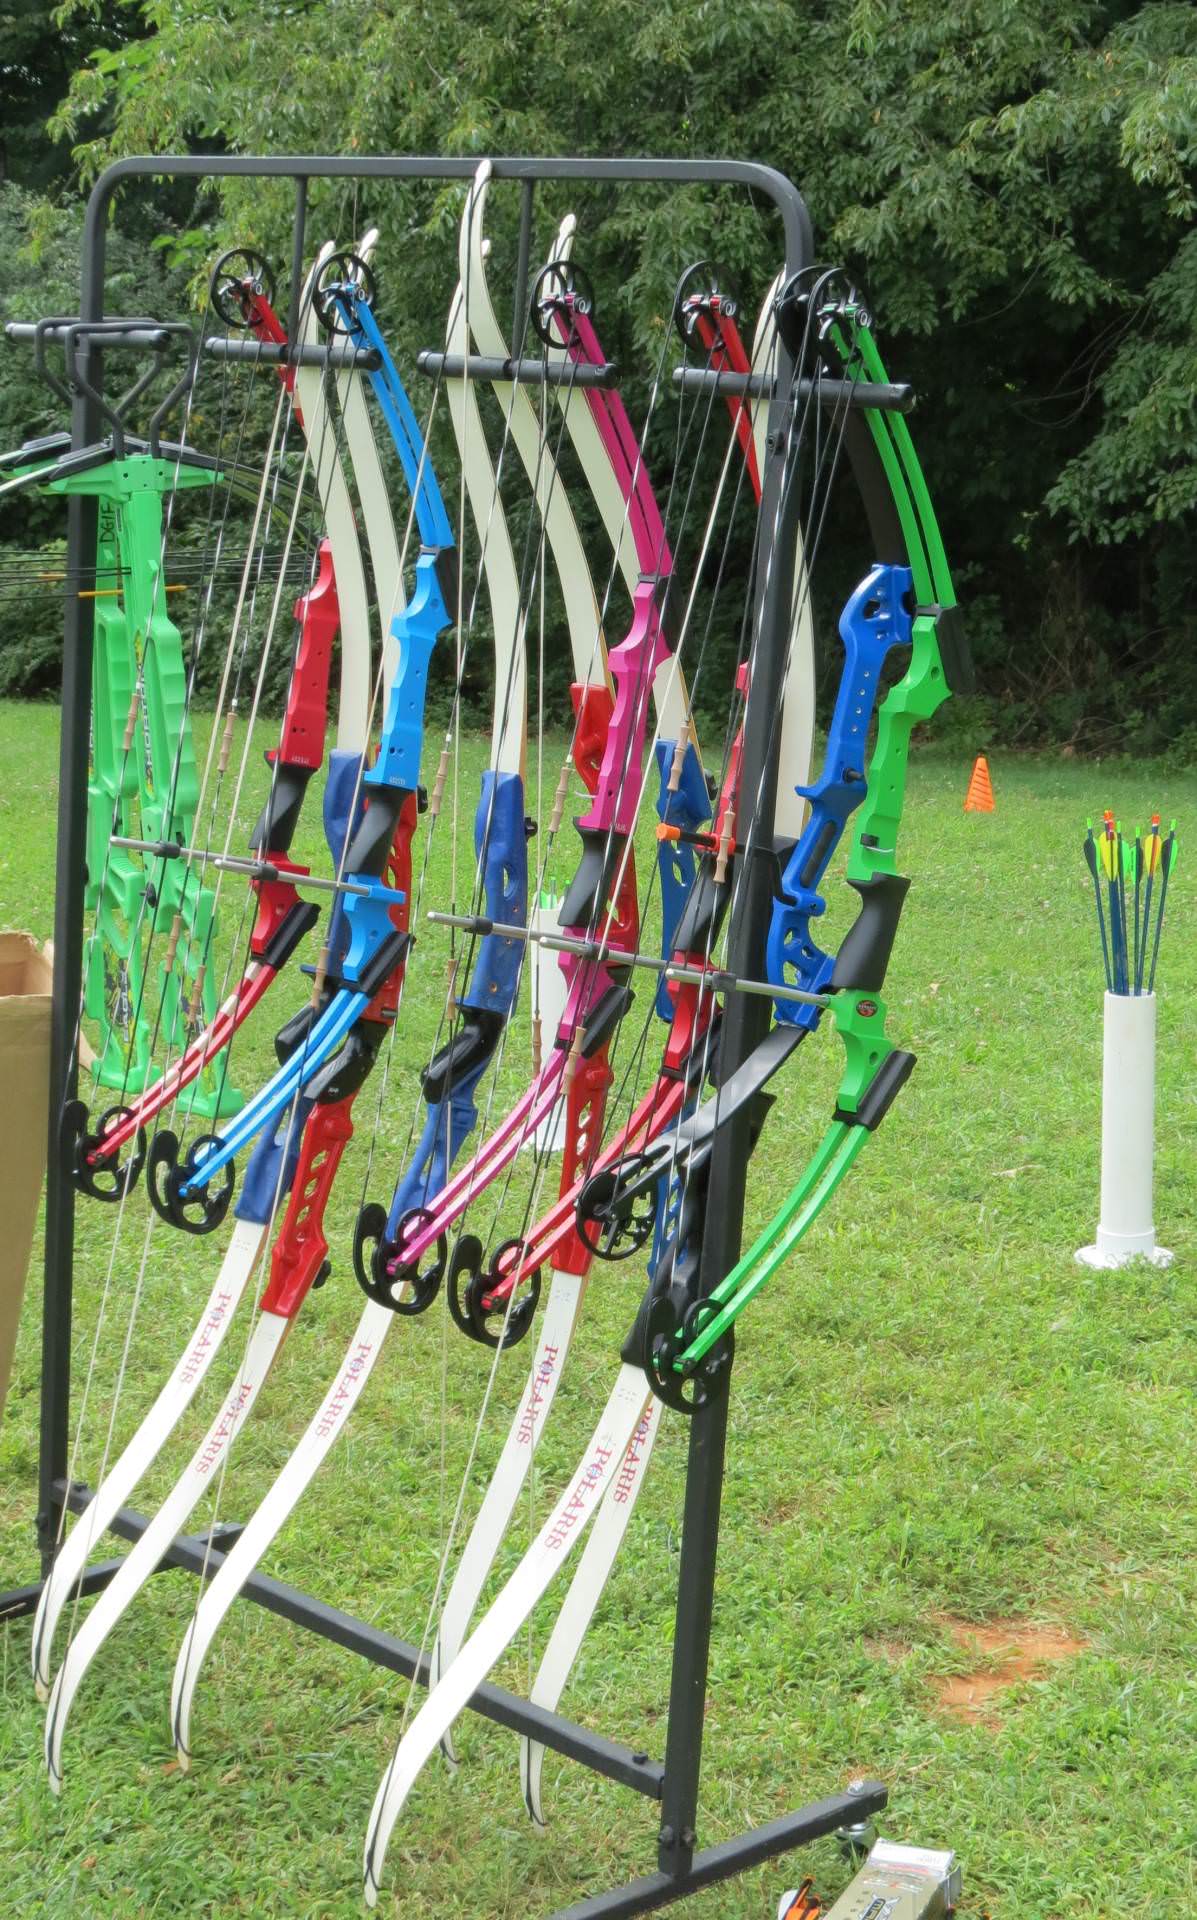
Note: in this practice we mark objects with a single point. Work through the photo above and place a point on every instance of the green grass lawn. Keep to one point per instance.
(938, 1419)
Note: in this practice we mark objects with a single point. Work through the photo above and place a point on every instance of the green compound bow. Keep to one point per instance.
(684, 1353)
(144, 763)
(143, 780)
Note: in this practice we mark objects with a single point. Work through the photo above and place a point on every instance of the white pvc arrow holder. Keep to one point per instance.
(1127, 1230)
(549, 998)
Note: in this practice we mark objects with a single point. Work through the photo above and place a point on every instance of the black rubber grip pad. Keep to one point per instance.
(954, 650)
(590, 888)
(350, 1064)
(389, 954)
(863, 958)
(467, 1052)
(700, 919)
(300, 919)
(603, 1019)
(280, 816)
(371, 844)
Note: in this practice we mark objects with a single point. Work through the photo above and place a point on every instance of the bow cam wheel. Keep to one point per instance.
(201, 1211)
(685, 1392)
(383, 1275)
(239, 277)
(343, 281)
(611, 1223)
(101, 1174)
(698, 289)
(561, 288)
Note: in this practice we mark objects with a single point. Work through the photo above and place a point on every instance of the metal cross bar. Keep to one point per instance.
(134, 338)
(528, 373)
(884, 396)
(238, 863)
(716, 979)
(308, 354)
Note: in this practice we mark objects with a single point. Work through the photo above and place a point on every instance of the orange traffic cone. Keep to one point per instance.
(979, 798)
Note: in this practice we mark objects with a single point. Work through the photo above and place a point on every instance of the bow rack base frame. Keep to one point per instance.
(682, 1868)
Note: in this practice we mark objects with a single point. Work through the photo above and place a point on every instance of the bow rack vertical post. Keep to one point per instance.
(682, 1868)
(745, 1022)
(74, 744)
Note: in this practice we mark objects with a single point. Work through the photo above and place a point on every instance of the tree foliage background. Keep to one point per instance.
(1014, 181)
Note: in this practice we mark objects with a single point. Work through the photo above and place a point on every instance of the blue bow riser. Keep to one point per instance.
(451, 1079)
(876, 619)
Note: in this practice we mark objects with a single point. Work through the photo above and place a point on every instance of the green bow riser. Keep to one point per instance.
(138, 654)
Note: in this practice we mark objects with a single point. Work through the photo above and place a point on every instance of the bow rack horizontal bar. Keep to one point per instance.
(884, 396)
(275, 353)
(715, 979)
(524, 373)
(136, 338)
(236, 863)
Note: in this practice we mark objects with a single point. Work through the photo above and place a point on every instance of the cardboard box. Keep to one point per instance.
(25, 978)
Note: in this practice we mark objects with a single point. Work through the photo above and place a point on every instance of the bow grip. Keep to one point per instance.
(280, 815)
(584, 908)
(863, 957)
(448, 1123)
(345, 1072)
(270, 1169)
(501, 847)
(343, 808)
(689, 807)
(954, 651)
(415, 630)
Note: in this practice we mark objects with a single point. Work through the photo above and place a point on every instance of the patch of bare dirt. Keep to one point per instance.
(1005, 1652)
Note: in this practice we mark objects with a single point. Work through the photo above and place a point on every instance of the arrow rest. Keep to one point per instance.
(237, 276)
(344, 276)
(378, 1262)
(200, 1212)
(571, 293)
(97, 1173)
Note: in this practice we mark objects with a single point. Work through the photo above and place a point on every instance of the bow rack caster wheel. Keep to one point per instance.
(101, 1174)
(382, 1274)
(239, 277)
(561, 288)
(697, 291)
(199, 1212)
(343, 281)
(614, 1228)
(856, 1842)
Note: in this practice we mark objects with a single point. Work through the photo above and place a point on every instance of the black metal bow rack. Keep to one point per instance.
(682, 1865)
